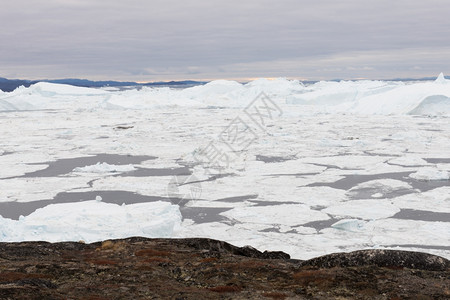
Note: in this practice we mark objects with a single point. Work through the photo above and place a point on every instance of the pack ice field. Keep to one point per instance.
(276, 164)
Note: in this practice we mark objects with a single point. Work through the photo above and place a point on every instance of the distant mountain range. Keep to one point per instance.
(8, 85)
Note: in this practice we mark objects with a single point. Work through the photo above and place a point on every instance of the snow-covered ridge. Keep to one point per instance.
(360, 97)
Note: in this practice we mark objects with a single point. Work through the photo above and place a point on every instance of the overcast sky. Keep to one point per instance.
(149, 40)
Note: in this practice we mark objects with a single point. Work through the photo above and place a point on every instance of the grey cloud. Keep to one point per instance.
(153, 40)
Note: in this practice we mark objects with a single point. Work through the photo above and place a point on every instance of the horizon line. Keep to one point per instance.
(241, 80)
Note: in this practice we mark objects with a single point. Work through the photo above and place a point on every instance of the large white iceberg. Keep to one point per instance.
(359, 97)
(92, 221)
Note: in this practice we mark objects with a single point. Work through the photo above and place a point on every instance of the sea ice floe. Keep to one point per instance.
(396, 231)
(429, 173)
(379, 188)
(437, 200)
(34, 189)
(383, 184)
(284, 214)
(363, 209)
(408, 161)
(104, 168)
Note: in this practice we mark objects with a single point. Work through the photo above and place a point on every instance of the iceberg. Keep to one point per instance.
(441, 79)
(357, 97)
(352, 225)
(92, 221)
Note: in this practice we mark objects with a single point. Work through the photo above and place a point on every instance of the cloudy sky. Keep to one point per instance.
(149, 40)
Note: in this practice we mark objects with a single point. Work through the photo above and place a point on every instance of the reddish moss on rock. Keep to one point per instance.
(151, 252)
(156, 260)
(275, 295)
(14, 276)
(102, 262)
(208, 259)
(316, 277)
(225, 289)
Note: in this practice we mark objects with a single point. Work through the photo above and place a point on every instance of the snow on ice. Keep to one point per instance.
(340, 169)
(92, 221)
(104, 168)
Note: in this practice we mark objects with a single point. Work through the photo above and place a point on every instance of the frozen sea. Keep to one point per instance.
(275, 164)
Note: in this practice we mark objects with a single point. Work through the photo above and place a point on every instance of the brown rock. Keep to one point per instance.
(140, 268)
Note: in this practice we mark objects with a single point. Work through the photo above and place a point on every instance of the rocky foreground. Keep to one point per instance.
(141, 268)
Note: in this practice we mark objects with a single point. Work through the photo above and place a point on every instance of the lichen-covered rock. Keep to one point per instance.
(141, 268)
(381, 258)
(212, 245)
